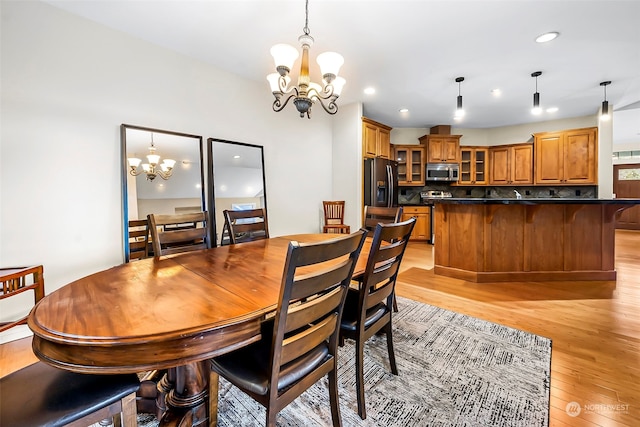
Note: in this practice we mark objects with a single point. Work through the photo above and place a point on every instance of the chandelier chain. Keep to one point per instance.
(306, 19)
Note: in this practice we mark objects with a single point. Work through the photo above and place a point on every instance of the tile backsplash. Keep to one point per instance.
(411, 195)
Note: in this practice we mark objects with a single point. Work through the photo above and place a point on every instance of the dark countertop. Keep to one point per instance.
(532, 201)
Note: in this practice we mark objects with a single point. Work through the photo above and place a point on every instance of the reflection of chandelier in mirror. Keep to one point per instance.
(306, 92)
(152, 169)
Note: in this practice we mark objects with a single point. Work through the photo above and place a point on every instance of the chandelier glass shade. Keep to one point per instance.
(154, 168)
(306, 92)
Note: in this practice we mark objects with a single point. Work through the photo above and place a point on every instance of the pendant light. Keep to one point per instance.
(604, 115)
(536, 96)
(459, 110)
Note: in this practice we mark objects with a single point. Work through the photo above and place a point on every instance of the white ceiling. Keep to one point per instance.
(411, 51)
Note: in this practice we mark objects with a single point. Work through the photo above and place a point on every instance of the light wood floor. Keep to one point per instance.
(595, 328)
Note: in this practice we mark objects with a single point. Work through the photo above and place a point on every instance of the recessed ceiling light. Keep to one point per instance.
(552, 109)
(236, 157)
(404, 110)
(496, 93)
(547, 37)
(370, 90)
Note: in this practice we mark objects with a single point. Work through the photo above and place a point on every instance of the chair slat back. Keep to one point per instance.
(314, 285)
(172, 234)
(138, 239)
(15, 281)
(387, 249)
(374, 215)
(247, 225)
(334, 217)
(333, 211)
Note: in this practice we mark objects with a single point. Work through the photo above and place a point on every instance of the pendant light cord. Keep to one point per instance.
(306, 19)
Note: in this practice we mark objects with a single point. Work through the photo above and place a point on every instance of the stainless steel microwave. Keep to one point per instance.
(442, 172)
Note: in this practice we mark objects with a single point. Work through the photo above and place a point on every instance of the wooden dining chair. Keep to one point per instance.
(172, 234)
(298, 346)
(138, 239)
(246, 226)
(374, 215)
(16, 280)
(41, 395)
(367, 310)
(334, 217)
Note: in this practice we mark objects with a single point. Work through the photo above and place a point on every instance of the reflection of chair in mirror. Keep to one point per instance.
(367, 310)
(246, 226)
(138, 239)
(298, 346)
(17, 280)
(334, 217)
(374, 215)
(41, 395)
(172, 234)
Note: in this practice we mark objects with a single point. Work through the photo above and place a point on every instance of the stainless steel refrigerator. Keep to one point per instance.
(380, 182)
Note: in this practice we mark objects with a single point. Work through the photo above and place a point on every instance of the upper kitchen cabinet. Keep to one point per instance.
(511, 164)
(474, 168)
(376, 139)
(410, 160)
(442, 148)
(566, 157)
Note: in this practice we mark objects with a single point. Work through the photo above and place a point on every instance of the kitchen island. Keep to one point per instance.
(497, 240)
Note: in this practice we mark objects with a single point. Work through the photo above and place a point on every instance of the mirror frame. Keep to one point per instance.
(211, 192)
(125, 174)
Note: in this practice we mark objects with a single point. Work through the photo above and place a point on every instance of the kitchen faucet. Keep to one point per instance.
(518, 195)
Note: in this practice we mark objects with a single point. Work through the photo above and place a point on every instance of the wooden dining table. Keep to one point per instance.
(171, 313)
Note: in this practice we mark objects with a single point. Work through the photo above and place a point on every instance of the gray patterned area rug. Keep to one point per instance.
(454, 370)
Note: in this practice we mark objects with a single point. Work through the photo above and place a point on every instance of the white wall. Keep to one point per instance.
(67, 84)
(347, 163)
(407, 136)
(496, 136)
(520, 133)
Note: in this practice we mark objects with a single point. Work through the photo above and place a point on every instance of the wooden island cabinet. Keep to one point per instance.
(494, 240)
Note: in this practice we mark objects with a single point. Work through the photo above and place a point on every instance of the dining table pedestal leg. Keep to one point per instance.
(187, 403)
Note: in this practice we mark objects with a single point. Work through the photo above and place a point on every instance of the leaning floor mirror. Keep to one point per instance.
(237, 181)
(171, 183)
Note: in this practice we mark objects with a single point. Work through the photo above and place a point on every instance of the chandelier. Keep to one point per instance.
(306, 93)
(154, 167)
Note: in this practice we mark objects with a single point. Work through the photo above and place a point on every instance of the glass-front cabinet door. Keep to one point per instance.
(473, 165)
(410, 165)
